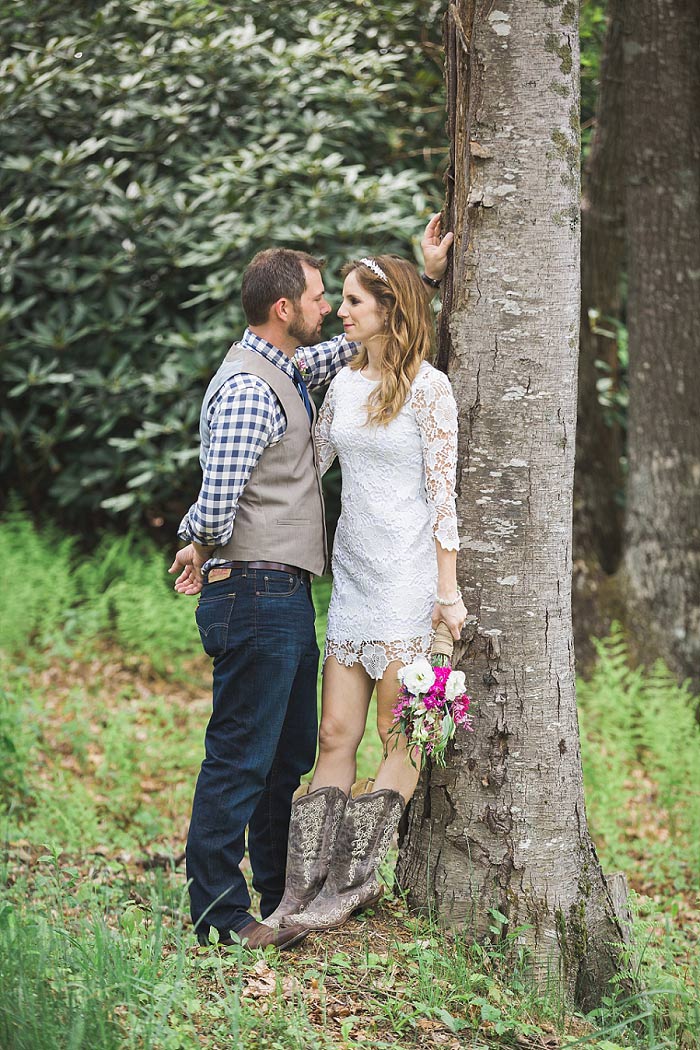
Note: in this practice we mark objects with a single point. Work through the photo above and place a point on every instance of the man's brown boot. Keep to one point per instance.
(258, 935)
(365, 835)
(313, 828)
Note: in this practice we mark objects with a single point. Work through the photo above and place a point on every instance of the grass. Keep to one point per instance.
(103, 701)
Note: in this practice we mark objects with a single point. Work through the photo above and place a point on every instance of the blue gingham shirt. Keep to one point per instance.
(245, 416)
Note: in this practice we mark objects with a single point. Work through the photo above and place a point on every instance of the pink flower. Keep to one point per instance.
(399, 707)
(460, 707)
(442, 674)
(433, 699)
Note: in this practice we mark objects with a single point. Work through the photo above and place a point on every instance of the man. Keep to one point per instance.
(256, 537)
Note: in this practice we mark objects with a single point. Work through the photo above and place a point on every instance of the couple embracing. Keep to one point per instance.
(255, 538)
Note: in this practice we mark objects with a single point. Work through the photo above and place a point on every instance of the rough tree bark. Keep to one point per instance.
(504, 825)
(662, 127)
(598, 481)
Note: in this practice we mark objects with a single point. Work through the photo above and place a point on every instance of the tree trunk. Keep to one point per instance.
(662, 124)
(598, 483)
(504, 825)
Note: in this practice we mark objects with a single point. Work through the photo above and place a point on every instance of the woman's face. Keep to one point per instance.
(360, 312)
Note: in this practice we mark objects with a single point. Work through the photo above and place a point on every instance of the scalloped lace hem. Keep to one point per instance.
(375, 657)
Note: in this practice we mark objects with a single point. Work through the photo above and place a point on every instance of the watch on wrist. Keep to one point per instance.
(430, 281)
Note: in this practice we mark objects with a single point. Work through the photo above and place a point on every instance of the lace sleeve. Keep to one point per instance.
(322, 433)
(436, 413)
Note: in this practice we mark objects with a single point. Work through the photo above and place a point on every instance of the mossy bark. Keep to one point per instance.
(504, 824)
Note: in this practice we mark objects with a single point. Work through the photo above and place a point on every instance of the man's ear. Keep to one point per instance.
(282, 310)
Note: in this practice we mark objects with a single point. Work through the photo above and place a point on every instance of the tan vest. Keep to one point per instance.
(280, 513)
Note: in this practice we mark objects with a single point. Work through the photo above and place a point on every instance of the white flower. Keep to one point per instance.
(418, 676)
(456, 685)
(421, 732)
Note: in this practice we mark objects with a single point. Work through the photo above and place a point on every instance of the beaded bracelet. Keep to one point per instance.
(446, 604)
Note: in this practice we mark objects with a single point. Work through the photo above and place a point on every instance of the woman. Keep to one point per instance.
(391, 419)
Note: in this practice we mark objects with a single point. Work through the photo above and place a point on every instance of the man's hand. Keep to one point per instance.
(188, 562)
(435, 249)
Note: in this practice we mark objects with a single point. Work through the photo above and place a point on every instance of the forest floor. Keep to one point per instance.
(115, 749)
(100, 743)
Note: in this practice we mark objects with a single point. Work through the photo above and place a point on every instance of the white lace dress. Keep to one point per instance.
(398, 497)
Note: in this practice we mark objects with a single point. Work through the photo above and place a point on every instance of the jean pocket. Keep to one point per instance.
(281, 585)
(213, 616)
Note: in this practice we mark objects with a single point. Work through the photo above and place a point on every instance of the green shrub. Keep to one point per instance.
(67, 598)
(149, 150)
(640, 740)
(142, 613)
(17, 737)
(41, 588)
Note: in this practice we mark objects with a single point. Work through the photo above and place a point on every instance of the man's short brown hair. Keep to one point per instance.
(276, 273)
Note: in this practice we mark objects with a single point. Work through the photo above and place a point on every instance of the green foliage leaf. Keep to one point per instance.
(148, 152)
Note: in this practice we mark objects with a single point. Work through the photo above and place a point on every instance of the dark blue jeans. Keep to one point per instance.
(259, 627)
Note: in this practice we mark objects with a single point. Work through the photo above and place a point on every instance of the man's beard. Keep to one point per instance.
(304, 333)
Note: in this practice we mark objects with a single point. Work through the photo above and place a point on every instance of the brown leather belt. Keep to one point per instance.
(277, 566)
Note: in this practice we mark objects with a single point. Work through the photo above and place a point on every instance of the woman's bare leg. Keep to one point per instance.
(345, 699)
(395, 771)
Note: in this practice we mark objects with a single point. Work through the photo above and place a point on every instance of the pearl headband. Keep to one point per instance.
(376, 269)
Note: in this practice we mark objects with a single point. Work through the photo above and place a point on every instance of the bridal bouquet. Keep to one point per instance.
(431, 703)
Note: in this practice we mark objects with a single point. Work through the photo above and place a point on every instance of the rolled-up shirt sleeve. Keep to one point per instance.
(244, 418)
(319, 363)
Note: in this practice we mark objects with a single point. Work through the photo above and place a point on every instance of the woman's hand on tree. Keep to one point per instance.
(435, 248)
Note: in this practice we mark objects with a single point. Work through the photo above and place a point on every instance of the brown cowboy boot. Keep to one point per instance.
(256, 935)
(369, 823)
(313, 828)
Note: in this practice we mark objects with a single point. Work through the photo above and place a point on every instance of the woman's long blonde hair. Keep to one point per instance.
(409, 336)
